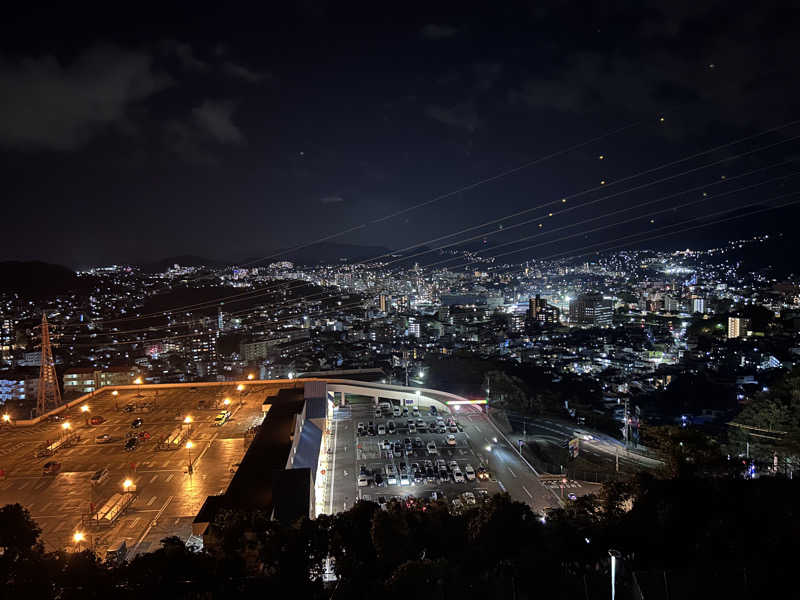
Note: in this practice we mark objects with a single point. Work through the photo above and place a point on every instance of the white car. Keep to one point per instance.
(458, 476)
(363, 481)
(432, 448)
(451, 440)
(415, 412)
(469, 473)
(397, 411)
(469, 497)
(381, 429)
(412, 428)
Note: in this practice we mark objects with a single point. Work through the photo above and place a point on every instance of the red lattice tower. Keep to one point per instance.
(49, 393)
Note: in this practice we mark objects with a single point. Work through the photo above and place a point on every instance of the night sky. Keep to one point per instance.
(132, 134)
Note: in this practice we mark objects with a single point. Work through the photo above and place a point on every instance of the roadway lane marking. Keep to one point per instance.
(527, 492)
(150, 502)
(24, 485)
(133, 523)
(154, 478)
(514, 475)
(500, 483)
(170, 476)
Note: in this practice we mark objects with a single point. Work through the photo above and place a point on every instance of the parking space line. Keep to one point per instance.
(527, 492)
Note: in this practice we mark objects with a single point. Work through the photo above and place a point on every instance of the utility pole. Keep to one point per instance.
(627, 429)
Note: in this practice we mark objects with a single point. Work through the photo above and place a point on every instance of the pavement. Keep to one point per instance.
(167, 496)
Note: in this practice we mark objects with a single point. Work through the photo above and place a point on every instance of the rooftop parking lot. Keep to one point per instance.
(413, 454)
(179, 427)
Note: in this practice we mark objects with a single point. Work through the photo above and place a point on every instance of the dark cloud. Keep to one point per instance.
(432, 31)
(331, 200)
(46, 103)
(242, 72)
(187, 57)
(215, 118)
(460, 116)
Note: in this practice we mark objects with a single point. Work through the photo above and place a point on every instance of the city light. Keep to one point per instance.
(78, 537)
(189, 445)
(126, 485)
(226, 401)
(239, 387)
(187, 419)
(114, 393)
(250, 376)
(138, 381)
(85, 408)
(6, 418)
(66, 425)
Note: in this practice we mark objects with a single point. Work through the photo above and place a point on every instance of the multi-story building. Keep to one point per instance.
(540, 312)
(591, 309)
(737, 327)
(85, 380)
(6, 338)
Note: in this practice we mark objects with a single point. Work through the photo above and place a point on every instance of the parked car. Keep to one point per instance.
(144, 435)
(51, 467)
(432, 448)
(96, 420)
(131, 444)
(469, 473)
(381, 429)
(451, 440)
(432, 411)
(415, 412)
(469, 498)
(482, 473)
(391, 427)
(397, 411)
(137, 422)
(103, 438)
(361, 429)
(418, 442)
(363, 480)
(99, 476)
(379, 480)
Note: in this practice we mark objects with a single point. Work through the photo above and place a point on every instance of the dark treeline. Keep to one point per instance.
(717, 537)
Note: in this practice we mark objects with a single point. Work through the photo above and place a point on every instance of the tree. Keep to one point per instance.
(19, 534)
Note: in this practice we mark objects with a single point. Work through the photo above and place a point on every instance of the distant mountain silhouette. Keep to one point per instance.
(322, 253)
(36, 279)
(159, 266)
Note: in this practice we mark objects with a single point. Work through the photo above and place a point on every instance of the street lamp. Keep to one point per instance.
(85, 410)
(187, 419)
(6, 418)
(126, 485)
(78, 537)
(250, 376)
(66, 426)
(240, 389)
(226, 402)
(138, 381)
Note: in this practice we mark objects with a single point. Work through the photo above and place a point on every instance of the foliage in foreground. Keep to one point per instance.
(499, 549)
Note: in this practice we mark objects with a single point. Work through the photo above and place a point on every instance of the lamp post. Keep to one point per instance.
(189, 448)
(65, 427)
(114, 394)
(6, 419)
(614, 554)
(240, 389)
(85, 410)
(250, 376)
(138, 381)
(127, 485)
(78, 538)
